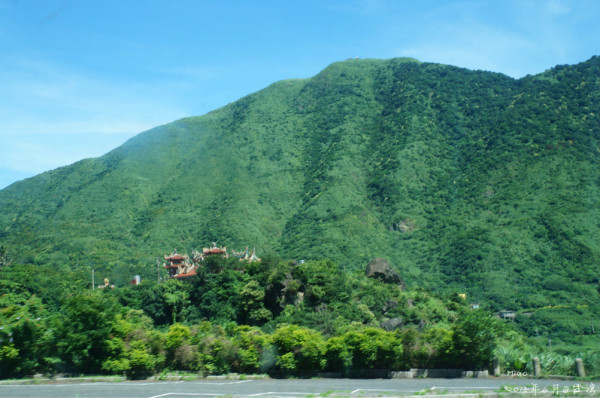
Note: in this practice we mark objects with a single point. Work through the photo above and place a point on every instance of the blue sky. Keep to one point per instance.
(80, 77)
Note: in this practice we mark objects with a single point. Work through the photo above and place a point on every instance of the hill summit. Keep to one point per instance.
(464, 180)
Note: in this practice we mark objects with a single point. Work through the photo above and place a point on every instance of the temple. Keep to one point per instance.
(244, 256)
(210, 251)
(181, 267)
(176, 264)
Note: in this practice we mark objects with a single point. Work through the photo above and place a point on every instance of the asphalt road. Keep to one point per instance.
(293, 388)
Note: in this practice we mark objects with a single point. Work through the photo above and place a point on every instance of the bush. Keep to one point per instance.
(474, 338)
(369, 348)
(300, 349)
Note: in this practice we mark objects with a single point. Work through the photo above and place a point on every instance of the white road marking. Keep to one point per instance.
(195, 394)
(388, 390)
(280, 392)
(100, 383)
(219, 384)
(466, 388)
(379, 389)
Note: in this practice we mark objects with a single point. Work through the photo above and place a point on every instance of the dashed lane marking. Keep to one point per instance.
(280, 392)
(188, 394)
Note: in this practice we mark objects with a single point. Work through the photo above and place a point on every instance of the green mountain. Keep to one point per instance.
(465, 180)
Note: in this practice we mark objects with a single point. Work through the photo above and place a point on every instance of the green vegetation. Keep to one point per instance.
(312, 316)
(279, 317)
(467, 181)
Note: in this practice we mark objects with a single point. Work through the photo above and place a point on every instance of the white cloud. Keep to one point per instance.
(473, 45)
(369, 6)
(31, 154)
(73, 128)
(556, 7)
(52, 116)
(191, 72)
(514, 38)
(42, 97)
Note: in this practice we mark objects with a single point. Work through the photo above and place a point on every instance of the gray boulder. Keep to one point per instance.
(380, 268)
(391, 304)
(392, 324)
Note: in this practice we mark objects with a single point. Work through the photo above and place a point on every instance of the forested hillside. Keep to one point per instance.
(467, 181)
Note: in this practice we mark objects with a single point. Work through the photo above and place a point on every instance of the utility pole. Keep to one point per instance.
(93, 283)
(157, 270)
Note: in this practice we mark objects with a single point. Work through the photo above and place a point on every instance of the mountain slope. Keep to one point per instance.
(466, 180)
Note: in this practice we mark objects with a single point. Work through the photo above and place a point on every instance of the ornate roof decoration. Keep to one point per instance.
(180, 266)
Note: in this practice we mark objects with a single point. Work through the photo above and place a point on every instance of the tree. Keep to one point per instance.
(5, 259)
(131, 346)
(176, 296)
(181, 354)
(87, 323)
(25, 342)
(321, 280)
(148, 297)
(368, 348)
(300, 349)
(252, 343)
(217, 352)
(216, 296)
(474, 337)
(252, 302)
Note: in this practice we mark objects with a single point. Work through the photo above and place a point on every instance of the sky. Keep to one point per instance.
(80, 77)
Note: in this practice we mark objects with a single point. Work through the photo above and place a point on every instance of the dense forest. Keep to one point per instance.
(466, 181)
(277, 317)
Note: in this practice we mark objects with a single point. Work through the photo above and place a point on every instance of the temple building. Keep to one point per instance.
(211, 251)
(181, 267)
(245, 256)
(176, 264)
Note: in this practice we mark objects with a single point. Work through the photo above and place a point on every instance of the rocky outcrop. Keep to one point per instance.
(392, 324)
(380, 268)
(390, 305)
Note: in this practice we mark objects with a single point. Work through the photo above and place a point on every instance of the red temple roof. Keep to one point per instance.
(188, 274)
(214, 250)
(175, 257)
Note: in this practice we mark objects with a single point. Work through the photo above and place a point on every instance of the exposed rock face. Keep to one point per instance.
(391, 304)
(404, 226)
(381, 269)
(392, 324)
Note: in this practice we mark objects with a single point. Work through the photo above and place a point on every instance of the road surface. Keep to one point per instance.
(293, 388)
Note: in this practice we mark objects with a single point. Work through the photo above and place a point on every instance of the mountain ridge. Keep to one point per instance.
(465, 180)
